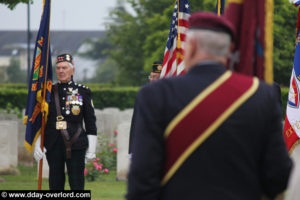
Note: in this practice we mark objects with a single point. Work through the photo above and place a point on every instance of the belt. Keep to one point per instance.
(63, 126)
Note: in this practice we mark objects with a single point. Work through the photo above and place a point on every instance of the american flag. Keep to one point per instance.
(292, 124)
(173, 58)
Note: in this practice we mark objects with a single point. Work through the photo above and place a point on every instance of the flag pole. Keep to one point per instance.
(219, 7)
(42, 146)
(43, 104)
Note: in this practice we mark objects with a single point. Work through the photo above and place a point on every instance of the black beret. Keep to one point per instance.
(64, 58)
(156, 67)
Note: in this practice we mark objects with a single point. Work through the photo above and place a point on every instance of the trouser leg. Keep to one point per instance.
(56, 161)
(75, 167)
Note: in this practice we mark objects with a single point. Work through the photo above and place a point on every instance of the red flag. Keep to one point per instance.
(253, 51)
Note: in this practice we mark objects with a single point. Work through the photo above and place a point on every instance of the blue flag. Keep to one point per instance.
(40, 83)
(222, 6)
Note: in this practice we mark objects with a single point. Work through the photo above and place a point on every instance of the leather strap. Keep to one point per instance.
(64, 133)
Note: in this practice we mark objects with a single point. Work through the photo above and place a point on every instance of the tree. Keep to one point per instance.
(135, 41)
(11, 4)
(284, 33)
(138, 39)
(14, 73)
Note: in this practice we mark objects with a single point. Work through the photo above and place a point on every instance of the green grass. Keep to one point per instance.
(106, 188)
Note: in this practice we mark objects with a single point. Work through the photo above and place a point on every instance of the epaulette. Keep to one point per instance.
(81, 86)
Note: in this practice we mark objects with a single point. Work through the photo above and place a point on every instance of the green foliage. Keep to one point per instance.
(285, 19)
(106, 160)
(10, 109)
(135, 41)
(15, 86)
(14, 73)
(110, 189)
(103, 97)
(106, 72)
(284, 99)
(2, 74)
(121, 98)
(107, 152)
(11, 4)
(13, 98)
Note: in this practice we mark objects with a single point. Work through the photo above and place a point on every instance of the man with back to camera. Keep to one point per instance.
(211, 133)
(65, 139)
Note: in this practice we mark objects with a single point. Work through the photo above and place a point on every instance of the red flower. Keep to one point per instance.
(116, 132)
(115, 150)
(85, 171)
(106, 170)
(99, 167)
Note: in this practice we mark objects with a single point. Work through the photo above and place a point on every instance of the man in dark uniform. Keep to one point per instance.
(154, 76)
(156, 70)
(210, 134)
(66, 141)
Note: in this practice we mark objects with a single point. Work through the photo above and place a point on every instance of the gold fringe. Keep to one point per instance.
(294, 146)
(28, 146)
(236, 1)
(25, 120)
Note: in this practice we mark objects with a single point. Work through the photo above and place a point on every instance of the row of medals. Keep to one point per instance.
(74, 99)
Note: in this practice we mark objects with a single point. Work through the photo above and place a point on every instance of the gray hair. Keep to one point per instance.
(71, 65)
(212, 42)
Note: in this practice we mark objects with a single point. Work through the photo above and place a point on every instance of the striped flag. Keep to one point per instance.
(40, 83)
(292, 122)
(253, 53)
(173, 58)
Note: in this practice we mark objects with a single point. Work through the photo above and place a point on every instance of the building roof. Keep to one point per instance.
(61, 41)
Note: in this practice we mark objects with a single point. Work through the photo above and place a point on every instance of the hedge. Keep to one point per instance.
(121, 97)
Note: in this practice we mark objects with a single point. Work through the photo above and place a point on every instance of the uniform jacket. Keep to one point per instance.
(243, 159)
(76, 106)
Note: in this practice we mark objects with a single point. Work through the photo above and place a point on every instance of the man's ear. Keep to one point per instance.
(73, 70)
(193, 45)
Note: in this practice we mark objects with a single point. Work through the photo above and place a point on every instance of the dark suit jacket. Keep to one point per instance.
(243, 159)
(74, 120)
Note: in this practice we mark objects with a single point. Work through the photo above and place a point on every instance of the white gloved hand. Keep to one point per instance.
(38, 153)
(91, 152)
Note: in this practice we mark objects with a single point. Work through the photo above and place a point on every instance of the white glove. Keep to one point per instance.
(91, 152)
(38, 154)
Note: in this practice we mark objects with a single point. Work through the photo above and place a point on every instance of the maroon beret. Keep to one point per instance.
(211, 21)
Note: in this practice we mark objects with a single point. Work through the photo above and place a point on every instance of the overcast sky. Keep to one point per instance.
(65, 15)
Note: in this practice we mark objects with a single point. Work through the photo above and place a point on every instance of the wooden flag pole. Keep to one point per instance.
(42, 146)
(43, 104)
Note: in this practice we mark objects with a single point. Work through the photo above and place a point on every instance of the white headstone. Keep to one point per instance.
(126, 115)
(24, 156)
(122, 155)
(8, 116)
(8, 145)
(107, 122)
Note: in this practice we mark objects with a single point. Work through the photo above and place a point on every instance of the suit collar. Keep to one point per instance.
(207, 66)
